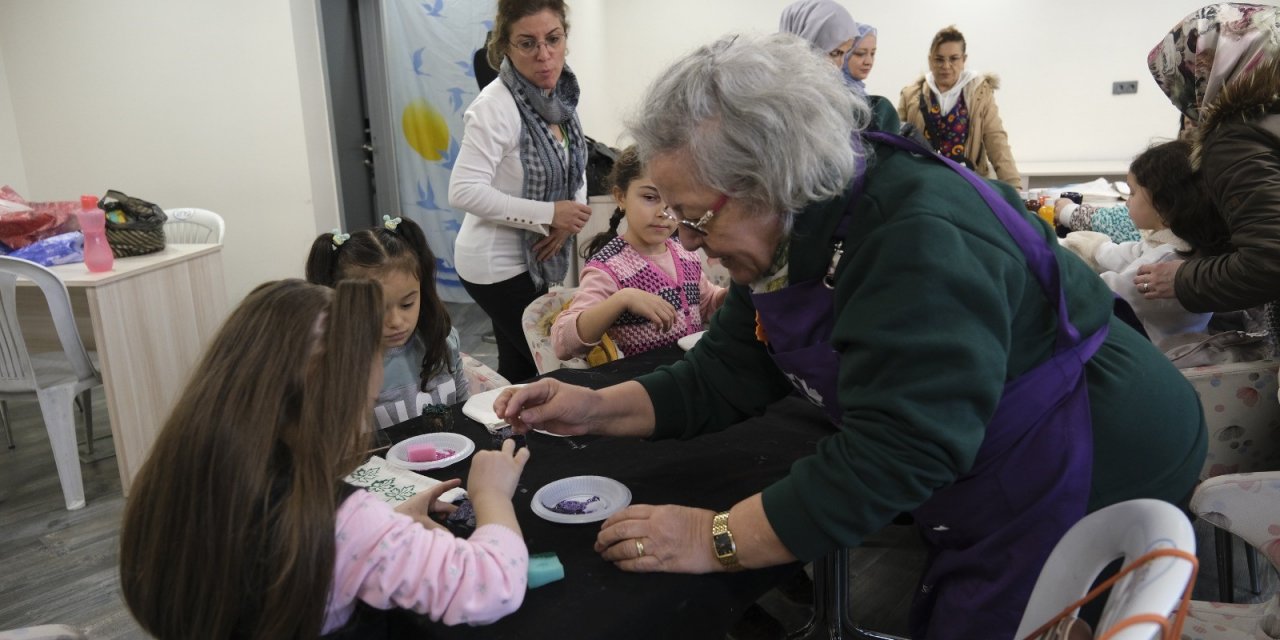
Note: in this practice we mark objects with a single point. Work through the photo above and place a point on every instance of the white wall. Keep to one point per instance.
(1056, 61)
(589, 56)
(12, 170)
(185, 103)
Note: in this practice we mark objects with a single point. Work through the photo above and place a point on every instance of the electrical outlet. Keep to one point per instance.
(1123, 87)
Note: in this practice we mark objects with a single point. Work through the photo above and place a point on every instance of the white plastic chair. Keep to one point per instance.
(193, 226)
(1126, 530)
(481, 377)
(536, 322)
(1247, 505)
(1244, 436)
(56, 378)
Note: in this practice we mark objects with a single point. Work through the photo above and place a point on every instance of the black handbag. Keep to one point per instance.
(600, 159)
(135, 227)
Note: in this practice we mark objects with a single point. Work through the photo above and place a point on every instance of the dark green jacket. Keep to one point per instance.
(935, 312)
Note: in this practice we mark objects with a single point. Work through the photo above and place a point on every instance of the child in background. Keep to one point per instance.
(642, 288)
(1114, 220)
(1163, 189)
(239, 524)
(421, 363)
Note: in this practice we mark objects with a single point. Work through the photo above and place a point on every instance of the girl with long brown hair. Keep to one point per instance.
(239, 524)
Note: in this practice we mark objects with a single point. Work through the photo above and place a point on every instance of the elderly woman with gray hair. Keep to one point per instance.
(972, 370)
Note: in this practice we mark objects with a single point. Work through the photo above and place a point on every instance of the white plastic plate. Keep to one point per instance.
(688, 341)
(599, 496)
(461, 445)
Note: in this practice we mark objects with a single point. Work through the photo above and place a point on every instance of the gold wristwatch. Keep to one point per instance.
(722, 541)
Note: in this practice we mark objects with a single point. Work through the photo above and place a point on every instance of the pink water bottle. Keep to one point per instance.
(93, 223)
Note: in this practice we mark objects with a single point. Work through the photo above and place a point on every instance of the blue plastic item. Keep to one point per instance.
(64, 248)
(544, 568)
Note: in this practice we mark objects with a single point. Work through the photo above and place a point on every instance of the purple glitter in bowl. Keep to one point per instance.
(570, 506)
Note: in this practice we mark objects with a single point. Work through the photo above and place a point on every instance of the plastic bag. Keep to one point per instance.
(64, 248)
(135, 226)
(22, 222)
(1200, 349)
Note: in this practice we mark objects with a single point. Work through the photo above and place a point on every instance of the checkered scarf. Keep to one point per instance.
(548, 176)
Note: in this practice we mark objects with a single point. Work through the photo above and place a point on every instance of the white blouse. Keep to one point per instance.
(486, 183)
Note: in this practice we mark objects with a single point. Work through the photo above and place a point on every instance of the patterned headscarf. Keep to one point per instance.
(1216, 45)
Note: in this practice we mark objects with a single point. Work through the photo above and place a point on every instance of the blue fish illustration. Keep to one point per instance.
(467, 69)
(417, 62)
(488, 24)
(427, 198)
(449, 157)
(455, 98)
(434, 11)
(444, 266)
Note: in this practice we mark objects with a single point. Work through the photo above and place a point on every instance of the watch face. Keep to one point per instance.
(724, 545)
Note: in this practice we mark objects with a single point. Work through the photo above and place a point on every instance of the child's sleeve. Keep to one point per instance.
(711, 297)
(1085, 244)
(594, 286)
(1117, 257)
(387, 560)
(455, 358)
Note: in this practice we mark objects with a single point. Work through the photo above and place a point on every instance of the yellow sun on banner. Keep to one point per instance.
(425, 130)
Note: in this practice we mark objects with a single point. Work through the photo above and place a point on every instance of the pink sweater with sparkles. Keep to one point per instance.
(389, 561)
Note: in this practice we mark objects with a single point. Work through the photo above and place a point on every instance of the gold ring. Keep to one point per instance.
(639, 548)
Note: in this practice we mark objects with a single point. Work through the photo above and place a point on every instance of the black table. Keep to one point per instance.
(596, 599)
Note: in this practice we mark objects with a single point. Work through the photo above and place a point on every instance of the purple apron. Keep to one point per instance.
(990, 532)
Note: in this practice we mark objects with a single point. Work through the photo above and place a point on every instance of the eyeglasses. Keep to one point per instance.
(529, 46)
(699, 225)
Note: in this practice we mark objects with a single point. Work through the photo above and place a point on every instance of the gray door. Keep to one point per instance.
(352, 42)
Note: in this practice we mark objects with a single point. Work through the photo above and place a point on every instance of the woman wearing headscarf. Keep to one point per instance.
(973, 370)
(1220, 66)
(956, 109)
(846, 43)
(520, 174)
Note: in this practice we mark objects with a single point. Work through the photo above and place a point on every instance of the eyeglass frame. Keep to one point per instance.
(535, 45)
(699, 225)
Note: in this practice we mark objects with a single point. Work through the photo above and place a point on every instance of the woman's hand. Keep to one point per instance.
(649, 306)
(422, 505)
(549, 246)
(674, 539)
(549, 405)
(1156, 280)
(570, 215)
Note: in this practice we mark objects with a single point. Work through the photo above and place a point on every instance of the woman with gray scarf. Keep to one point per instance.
(520, 174)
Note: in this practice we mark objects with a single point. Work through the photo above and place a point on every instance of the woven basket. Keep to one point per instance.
(141, 233)
(135, 242)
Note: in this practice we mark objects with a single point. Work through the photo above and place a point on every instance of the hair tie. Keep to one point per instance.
(339, 238)
(390, 223)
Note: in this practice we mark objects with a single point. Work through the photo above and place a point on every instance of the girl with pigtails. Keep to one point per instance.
(641, 287)
(422, 365)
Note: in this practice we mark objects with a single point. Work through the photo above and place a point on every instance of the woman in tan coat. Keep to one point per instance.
(956, 111)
